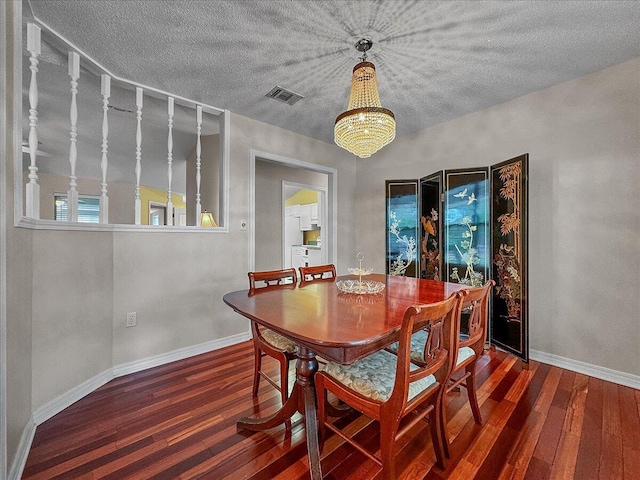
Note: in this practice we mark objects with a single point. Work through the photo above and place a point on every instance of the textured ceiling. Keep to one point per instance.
(435, 60)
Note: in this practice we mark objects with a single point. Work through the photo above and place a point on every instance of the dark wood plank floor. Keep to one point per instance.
(178, 421)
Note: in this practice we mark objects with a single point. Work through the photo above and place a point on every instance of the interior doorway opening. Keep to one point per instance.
(267, 214)
(303, 216)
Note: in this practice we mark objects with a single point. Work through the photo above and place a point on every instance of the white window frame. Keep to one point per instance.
(80, 196)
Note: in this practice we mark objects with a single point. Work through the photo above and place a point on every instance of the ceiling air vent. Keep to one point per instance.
(284, 95)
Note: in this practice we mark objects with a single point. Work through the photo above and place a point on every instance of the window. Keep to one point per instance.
(88, 208)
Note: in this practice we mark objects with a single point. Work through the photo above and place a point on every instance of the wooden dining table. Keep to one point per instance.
(339, 327)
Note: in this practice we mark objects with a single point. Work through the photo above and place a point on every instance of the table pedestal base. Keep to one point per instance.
(303, 400)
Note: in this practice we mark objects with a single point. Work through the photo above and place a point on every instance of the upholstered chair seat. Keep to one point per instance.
(374, 376)
(418, 341)
(279, 341)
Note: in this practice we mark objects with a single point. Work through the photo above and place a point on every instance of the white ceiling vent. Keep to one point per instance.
(284, 95)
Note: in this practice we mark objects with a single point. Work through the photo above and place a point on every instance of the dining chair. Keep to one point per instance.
(471, 340)
(388, 387)
(267, 341)
(471, 344)
(317, 272)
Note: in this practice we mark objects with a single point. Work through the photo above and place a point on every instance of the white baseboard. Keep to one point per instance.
(20, 460)
(55, 406)
(180, 354)
(615, 376)
(58, 404)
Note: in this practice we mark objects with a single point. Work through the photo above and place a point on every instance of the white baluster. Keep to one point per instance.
(72, 194)
(169, 161)
(105, 90)
(198, 162)
(138, 202)
(32, 190)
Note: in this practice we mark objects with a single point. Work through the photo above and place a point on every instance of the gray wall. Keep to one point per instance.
(69, 291)
(269, 178)
(18, 276)
(583, 137)
(288, 144)
(84, 283)
(175, 282)
(72, 309)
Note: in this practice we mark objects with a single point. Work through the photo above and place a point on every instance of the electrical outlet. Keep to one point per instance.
(131, 319)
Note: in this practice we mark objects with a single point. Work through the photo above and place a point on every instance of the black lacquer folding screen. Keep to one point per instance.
(467, 226)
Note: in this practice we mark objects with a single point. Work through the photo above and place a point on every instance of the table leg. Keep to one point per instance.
(306, 368)
(303, 400)
(285, 413)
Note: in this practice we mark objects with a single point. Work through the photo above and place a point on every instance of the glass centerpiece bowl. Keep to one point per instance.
(359, 286)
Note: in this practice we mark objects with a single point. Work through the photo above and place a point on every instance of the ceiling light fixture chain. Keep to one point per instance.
(366, 126)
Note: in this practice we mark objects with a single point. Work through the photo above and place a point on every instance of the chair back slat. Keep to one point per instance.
(434, 344)
(317, 272)
(272, 278)
(476, 301)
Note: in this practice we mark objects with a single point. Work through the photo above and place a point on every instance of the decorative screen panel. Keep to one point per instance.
(510, 325)
(466, 226)
(402, 227)
(431, 197)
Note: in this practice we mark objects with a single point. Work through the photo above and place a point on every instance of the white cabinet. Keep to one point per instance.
(315, 214)
(309, 216)
(305, 256)
(305, 217)
(299, 257)
(315, 256)
(292, 236)
(292, 211)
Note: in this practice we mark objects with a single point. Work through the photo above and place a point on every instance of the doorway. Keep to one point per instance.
(275, 216)
(303, 216)
(157, 213)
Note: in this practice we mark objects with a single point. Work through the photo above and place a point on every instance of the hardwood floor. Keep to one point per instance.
(179, 421)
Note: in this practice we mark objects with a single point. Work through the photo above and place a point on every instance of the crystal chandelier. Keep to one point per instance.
(365, 127)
